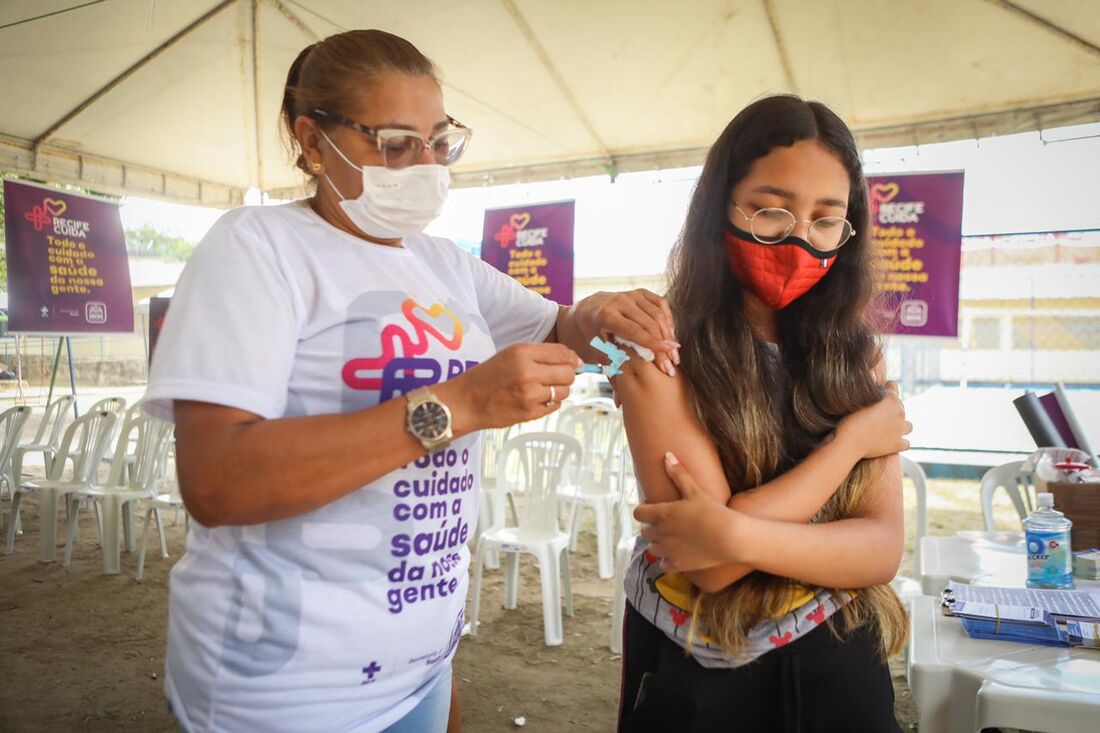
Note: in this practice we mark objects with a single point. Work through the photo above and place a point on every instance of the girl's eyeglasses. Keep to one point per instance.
(772, 225)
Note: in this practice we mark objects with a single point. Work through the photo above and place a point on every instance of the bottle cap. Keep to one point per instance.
(1046, 500)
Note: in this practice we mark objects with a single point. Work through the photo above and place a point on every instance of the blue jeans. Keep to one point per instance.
(432, 713)
(429, 716)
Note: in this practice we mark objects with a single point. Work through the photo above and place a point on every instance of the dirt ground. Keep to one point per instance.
(81, 651)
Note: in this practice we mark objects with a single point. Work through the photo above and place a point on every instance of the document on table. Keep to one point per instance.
(1062, 604)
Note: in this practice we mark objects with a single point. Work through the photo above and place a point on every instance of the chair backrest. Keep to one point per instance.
(913, 471)
(53, 420)
(490, 449)
(606, 402)
(535, 463)
(599, 428)
(140, 447)
(12, 422)
(1017, 484)
(109, 404)
(133, 412)
(86, 442)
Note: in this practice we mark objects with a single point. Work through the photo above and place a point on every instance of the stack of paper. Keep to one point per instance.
(1086, 564)
(1024, 624)
(1025, 615)
(1083, 634)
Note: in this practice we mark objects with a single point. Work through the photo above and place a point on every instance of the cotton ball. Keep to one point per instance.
(520, 721)
(641, 351)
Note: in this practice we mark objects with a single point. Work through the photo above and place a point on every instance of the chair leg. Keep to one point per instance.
(144, 544)
(73, 505)
(618, 603)
(13, 522)
(479, 562)
(128, 525)
(112, 512)
(604, 557)
(160, 533)
(485, 520)
(511, 578)
(549, 575)
(574, 522)
(566, 580)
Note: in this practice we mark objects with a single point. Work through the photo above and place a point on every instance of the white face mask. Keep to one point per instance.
(394, 202)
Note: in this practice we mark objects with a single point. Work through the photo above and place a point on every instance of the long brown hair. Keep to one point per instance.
(767, 411)
(331, 74)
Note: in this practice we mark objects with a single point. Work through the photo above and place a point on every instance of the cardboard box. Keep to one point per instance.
(1081, 505)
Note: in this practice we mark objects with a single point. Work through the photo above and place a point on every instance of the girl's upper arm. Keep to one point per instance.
(659, 418)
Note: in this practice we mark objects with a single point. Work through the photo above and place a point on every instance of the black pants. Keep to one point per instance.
(815, 684)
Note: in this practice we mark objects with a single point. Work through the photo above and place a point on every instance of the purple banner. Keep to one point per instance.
(534, 245)
(916, 226)
(67, 270)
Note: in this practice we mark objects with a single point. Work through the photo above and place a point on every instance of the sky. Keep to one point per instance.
(1048, 181)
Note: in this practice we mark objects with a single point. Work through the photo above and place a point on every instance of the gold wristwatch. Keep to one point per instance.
(429, 420)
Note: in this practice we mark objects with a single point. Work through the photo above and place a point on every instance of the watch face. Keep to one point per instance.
(430, 420)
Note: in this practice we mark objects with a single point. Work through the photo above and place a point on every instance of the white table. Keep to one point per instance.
(986, 558)
(961, 685)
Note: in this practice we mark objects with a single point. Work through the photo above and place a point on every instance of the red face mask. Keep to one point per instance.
(779, 273)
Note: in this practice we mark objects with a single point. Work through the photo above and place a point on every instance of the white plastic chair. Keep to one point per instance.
(913, 471)
(491, 502)
(541, 460)
(1016, 483)
(127, 482)
(113, 405)
(12, 422)
(46, 438)
(168, 498)
(910, 588)
(89, 438)
(626, 535)
(596, 483)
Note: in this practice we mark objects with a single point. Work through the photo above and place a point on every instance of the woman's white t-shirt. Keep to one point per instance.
(335, 620)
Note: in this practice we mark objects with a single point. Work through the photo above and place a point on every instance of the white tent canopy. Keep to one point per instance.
(180, 99)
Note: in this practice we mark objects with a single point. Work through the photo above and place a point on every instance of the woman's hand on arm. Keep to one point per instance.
(639, 316)
(237, 468)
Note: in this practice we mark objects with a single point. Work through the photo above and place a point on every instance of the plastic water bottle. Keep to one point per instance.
(1046, 533)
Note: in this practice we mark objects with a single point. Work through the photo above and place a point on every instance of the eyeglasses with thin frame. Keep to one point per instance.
(402, 148)
(771, 225)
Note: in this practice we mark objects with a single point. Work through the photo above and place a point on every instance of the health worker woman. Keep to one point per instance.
(328, 367)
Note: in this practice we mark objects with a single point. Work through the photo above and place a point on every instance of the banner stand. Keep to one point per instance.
(67, 342)
(72, 374)
(53, 372)
(19, 371)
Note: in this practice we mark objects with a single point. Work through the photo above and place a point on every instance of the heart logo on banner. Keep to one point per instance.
(519, 221)
(884, 192)
(55, 207)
